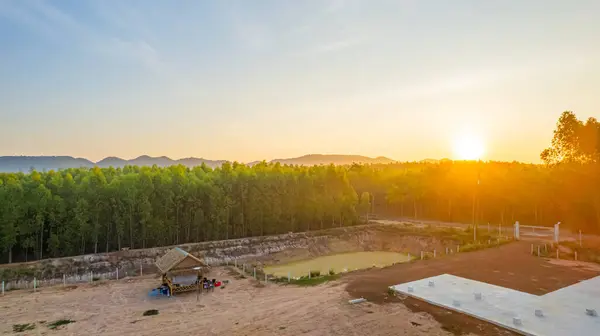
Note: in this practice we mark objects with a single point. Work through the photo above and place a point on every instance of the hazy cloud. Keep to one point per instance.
(49, 21)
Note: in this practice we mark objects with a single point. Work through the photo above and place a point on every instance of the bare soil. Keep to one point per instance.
(509, 266)
(247, 307)
(243, 307)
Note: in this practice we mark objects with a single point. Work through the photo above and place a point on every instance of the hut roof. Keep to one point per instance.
(177, 259)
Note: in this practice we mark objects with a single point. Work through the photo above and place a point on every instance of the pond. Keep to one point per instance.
(338, 262)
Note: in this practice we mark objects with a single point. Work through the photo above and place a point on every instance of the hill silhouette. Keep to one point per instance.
(45, 163)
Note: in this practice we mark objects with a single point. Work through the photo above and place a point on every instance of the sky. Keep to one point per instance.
(262, 79)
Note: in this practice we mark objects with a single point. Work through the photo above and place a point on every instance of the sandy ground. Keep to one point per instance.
(246, 307)
(242, 308)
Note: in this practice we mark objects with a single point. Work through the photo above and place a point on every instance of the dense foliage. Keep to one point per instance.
(75, 211)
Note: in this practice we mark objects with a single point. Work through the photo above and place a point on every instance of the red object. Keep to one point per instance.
(218, 284)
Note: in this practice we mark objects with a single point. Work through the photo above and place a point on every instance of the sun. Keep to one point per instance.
(468, 147)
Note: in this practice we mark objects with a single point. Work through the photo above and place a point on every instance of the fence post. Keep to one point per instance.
(141, 270)
(489, 230)
(517, 230)
(556, 232)
(421, 255)
(309, 273)
(91, 276)
(265, 277)
(538, 250)
(254, 273)
(434, 253)
(2, 287)
(457, 248)
(235, 263)
(446, 250)
(34, 284)
(557, 253)
(289, 276)
(499, 229)
(117, 273)
(580, 241)
(575, 255)
(532, 249)
(64, 280)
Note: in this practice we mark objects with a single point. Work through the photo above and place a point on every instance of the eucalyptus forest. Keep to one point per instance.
(77, 211)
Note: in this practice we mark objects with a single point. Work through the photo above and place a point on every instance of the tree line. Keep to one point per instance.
(78, 211)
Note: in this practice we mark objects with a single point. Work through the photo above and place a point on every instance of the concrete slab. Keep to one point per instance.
(559, 313)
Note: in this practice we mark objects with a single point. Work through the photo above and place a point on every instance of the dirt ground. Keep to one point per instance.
(242, 308)
(509, 266)
(245, 307)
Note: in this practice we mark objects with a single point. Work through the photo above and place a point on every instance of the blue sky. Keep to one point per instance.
(250, 80)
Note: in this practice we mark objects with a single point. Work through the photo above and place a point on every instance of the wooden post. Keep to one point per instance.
(421, 255)
(446, 250)
(538, 250)
(64, 280)
(117, 273)
(580, 240)
(289, 276)
(254, 273)
(489, 230)
(2, 287)
(499, 229)
(198, 286)
(557, 253)
(408, 256)
(532, 249)
(235, 263)
(434, 253)
(91, 276)
(141, 270)
(457, 248)
(309, 273)
(266, 278)
(575, 255)
(34, 284)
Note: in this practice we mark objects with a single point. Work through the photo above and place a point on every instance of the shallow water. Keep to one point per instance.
(338, 262)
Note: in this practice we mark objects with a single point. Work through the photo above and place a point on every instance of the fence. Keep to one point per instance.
(66, 279)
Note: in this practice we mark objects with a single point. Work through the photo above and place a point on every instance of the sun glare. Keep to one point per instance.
(468, 147)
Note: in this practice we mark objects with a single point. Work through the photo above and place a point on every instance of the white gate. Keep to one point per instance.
(539, 232)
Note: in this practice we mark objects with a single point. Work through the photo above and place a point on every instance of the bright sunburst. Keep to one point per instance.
(468, 147)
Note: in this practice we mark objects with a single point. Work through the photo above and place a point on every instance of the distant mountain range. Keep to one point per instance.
(41, 163)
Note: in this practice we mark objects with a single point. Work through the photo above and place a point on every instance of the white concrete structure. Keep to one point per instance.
(542, 231)
(568, 311)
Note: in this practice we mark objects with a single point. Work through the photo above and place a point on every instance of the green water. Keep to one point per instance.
(339, 262)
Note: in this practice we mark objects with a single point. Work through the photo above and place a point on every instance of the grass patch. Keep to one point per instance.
(151, 312)
(58, 323)
(23, 327)
(470, 247)
(313, 281)
(584, 253)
